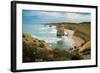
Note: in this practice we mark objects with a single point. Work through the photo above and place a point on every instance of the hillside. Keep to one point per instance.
(35, 50)
(82, 29)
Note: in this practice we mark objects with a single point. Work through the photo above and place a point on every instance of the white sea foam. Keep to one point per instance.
(67, 42)
(48, 34)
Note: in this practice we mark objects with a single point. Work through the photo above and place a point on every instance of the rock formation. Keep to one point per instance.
(60, 30)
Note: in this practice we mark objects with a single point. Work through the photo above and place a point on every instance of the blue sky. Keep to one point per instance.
(38, 17)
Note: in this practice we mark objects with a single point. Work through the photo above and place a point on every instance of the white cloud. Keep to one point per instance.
(60, 16)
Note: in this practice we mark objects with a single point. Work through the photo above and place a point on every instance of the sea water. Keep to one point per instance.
(48, 34)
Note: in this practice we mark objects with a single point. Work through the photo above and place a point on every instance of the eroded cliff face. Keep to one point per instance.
(35, 50)
(80, 33)
(60, 30)
(30, 40)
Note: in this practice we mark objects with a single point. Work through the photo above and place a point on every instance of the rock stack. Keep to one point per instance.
(60, 30)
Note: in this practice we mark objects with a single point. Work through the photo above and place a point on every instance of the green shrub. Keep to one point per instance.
(86, 51)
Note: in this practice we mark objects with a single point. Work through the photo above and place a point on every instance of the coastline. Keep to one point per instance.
(76, 41)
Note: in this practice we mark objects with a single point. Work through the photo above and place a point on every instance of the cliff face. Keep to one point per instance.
(81, 30)
(60, 30)
(35, 50)
(33, 41)
(85, 46)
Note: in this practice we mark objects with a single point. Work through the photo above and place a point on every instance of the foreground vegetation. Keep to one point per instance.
(35, 50)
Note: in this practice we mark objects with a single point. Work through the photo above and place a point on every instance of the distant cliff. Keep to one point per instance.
(79, 32)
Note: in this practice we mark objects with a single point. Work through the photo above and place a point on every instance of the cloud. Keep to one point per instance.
(32, 17)
(78, 17)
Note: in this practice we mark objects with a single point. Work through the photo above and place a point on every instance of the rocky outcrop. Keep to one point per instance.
(60, 29)
(30, 40)
(35, 50)
(85, 46)
(81, 30)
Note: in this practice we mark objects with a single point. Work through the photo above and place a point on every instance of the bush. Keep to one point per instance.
(86, 51)
(29, 52)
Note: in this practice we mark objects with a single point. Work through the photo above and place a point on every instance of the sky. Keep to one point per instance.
(39, 17)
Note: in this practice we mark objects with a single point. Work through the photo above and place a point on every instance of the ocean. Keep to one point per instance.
(48, 34)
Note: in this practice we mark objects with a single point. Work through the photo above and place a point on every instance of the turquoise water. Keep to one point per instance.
(48, 34)
(42, 32)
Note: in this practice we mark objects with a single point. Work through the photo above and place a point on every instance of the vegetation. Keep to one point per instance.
(35, 50)
(81, 29)
(86, 51)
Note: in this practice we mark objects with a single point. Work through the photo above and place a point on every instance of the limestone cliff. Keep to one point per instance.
(60, 30)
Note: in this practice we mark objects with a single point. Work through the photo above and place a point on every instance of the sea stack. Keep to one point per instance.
(60, 30)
